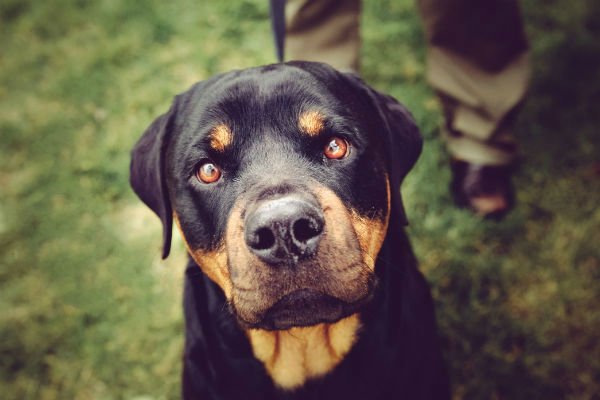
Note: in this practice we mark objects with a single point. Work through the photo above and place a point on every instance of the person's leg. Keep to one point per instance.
(478, 63)
(325, 31)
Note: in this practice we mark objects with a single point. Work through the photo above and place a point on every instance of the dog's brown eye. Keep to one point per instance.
(208, 173)
(336, 148)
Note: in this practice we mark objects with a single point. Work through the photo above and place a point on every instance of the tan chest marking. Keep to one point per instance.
(293, 356)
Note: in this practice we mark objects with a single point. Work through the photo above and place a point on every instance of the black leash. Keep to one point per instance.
(278, 25)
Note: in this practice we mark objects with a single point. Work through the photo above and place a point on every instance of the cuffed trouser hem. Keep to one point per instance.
(478, 105)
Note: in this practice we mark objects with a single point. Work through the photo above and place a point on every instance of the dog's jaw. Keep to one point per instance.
(294, 355)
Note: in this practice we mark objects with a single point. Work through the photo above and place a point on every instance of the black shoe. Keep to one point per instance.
(484, 189)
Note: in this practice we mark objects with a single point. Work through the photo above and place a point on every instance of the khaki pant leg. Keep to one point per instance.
(478, 63)
(325, 31)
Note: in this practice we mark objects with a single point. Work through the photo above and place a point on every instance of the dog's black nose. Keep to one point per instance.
(284, 230)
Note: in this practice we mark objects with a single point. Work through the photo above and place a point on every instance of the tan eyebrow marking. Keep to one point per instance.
(221, 137)
(311, 122)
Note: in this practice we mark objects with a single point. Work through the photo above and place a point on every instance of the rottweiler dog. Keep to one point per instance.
(284, 183)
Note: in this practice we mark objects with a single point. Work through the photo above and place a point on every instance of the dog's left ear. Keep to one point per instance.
(402, 139)
(147, 171)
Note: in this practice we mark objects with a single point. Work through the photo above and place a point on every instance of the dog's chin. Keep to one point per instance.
(306, 307)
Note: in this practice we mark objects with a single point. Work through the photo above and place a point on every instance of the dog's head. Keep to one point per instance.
(282, 180)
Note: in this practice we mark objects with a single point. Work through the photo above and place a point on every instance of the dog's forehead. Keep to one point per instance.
(281, 95)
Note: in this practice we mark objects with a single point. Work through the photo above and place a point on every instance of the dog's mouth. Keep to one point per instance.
(298, 259)
(306, 307)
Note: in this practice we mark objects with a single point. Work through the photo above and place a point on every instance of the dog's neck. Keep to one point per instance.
(293, 356)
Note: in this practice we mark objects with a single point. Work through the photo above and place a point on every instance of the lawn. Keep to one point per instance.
(89, 311)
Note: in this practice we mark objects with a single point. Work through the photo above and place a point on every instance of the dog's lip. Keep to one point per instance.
(306, 307)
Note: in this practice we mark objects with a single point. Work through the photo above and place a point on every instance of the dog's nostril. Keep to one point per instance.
(263, 239)
(284, 230)
(305, 229)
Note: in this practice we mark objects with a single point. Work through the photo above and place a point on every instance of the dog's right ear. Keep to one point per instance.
(147, 171)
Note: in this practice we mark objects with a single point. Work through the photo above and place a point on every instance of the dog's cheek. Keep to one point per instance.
(346, 271)
(247, 273)
(238, 253)
(212, 262)
(371, 231)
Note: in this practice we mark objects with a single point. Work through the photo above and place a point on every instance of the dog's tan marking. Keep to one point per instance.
(293, 356)
(371, 231)
(238, 253)
(213, 263)
(221, 137)
(311, 123)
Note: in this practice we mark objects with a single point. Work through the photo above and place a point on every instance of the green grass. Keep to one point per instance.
(89, 311)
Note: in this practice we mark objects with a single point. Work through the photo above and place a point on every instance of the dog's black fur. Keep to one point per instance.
(397, 353)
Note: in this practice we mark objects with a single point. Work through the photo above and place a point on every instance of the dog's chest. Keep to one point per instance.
(294, 356)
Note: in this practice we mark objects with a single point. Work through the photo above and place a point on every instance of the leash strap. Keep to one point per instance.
(278, 26)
